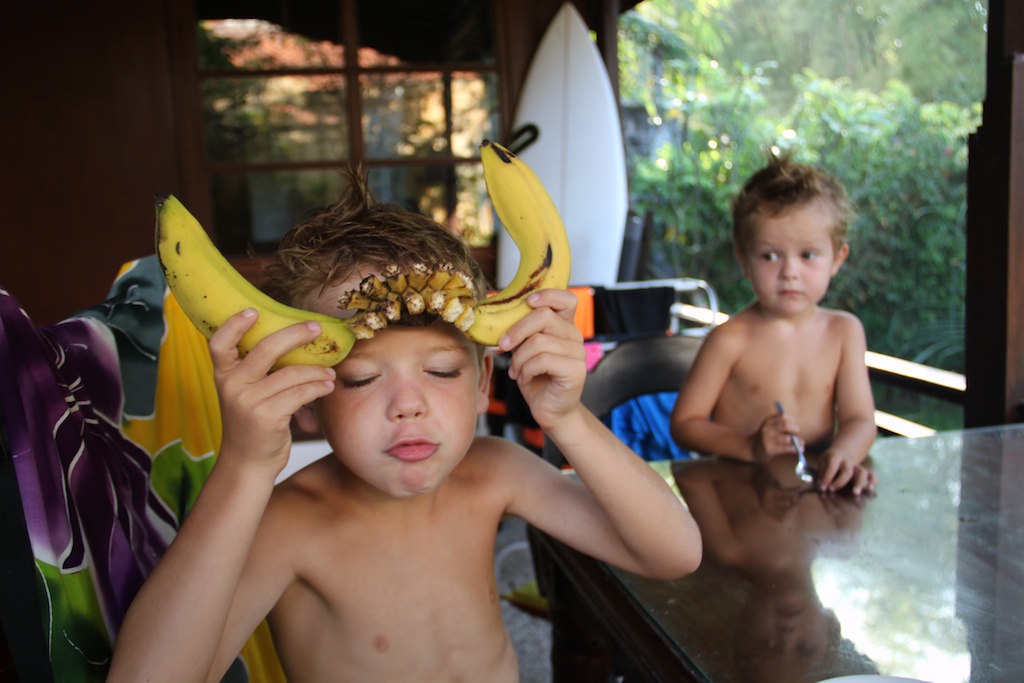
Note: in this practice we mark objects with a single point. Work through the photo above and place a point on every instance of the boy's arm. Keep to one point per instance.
(691, 424)
(175, 626)
(840, 464)
(626, 514)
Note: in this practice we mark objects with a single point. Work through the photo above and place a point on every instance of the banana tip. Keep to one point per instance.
(504, 154)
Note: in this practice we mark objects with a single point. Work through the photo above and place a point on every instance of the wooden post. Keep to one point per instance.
(994, 320)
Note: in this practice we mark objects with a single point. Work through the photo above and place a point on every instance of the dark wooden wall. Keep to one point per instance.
(86, 137)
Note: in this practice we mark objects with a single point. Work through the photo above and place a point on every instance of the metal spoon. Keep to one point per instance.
(802, 469)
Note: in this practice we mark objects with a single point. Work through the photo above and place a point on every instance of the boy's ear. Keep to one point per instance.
(305, 422)
(483, 394)
(840, 257)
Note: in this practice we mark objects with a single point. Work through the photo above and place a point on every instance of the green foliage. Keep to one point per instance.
(936, 46)
(904, 164)
(902, 159)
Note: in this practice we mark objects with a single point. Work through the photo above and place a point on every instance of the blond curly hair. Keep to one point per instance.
(359, 233)
(783, 184)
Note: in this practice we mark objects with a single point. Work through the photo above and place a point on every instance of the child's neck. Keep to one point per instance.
(800, 318)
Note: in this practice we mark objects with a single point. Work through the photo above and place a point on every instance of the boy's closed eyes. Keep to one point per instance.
(355, 383)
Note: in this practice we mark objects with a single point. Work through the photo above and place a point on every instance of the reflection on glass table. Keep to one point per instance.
(924, 579)
(766, 528)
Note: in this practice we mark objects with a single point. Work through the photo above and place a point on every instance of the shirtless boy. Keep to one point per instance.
(376, 562)
(789, 235)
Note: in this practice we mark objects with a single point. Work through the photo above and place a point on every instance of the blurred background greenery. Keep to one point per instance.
(883, 95)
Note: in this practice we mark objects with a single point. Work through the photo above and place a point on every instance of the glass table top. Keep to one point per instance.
(924, 579)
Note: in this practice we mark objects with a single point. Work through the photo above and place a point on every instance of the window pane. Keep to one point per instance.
(255, 209)
(276, 119)
(474, 111)
(247, 44)
(455, 196)
(404, 115)
(474, 213)
(429, 33)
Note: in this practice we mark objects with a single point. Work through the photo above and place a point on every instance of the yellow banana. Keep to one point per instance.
(529, 215)
(210, 291)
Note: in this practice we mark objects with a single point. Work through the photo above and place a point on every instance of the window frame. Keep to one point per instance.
(198, 172)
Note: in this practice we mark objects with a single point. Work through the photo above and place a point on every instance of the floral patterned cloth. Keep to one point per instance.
(112, 422)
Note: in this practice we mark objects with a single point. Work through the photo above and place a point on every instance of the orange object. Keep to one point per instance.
(584, 319)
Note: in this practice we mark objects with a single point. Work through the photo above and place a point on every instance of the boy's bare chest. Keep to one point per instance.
(786, 367)
(385, 595)
(413, 554)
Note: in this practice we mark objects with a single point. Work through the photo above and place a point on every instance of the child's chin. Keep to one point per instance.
(413, 484)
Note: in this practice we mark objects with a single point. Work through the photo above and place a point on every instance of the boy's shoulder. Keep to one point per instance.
(843, 321)
(737, 329)
(491, 456)
(307, 489)
(750, 321)
(501, 471)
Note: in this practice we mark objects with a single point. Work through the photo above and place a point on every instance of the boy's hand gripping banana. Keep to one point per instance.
(210, 291)
(529, 215)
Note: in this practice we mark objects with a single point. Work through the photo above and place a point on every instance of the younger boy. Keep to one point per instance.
(376, 562)
(789, 232)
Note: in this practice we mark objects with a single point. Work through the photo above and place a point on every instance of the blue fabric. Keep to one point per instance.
(643, 424)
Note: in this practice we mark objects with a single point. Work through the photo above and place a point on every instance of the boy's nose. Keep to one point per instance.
(789, 268)
(407, 402)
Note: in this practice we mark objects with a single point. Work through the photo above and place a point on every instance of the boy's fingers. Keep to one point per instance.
(224, 342)
(554, 364)
(561, 301)
(306, 382)
(842, 476)
(273, 346)
(545, 346)
(287, 394)
(262, 357)
(858, 483)
(541, 320)
(828, 474)
(864, 481)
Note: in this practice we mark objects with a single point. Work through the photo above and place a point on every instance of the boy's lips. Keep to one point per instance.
(412, 450)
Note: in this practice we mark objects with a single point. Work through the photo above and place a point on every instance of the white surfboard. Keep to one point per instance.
(579, 153)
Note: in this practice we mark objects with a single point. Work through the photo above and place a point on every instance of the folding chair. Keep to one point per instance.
(646, 307)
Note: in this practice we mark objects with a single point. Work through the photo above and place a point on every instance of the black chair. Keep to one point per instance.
(635, 367)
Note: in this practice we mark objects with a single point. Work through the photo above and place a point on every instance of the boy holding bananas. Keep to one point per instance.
(376, 562)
